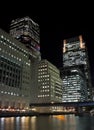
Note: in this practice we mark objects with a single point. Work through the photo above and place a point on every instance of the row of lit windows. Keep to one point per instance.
(71, 76)
(9, 60)
(4, 51)
(10, 93)
(72, 87)
(71, 100)
(43, 83)
(17, 58)
(42, 73)
(5, 62)
(71, 63)
(47, 86)
(43, 66)
(13, 45)
(40, 77)
(74, 90)
(47, 95)
(82, 57)
(71, 95)
(76, 53)
(72, 83)
(47, 90)
(45, 69)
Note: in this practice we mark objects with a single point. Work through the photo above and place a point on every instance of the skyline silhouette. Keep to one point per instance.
(55, 26)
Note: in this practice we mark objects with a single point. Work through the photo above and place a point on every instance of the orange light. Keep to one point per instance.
(61, 117)
(81, 42)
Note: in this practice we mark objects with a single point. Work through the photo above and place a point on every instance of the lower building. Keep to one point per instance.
(74, 85)
(49, 83)
(46, 85)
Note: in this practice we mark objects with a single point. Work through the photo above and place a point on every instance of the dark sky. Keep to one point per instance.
(56, 23)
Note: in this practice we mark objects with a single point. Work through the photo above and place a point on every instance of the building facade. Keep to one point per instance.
(75, 55)
(15, 73)
(46, 83)
(49, 83)
(27, 31)
(74, 85)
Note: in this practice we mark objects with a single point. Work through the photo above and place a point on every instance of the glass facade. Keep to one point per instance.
(75, 55)
(74, 85)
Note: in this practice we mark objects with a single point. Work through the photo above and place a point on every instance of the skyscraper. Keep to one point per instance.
(75, 55)
(27, 31)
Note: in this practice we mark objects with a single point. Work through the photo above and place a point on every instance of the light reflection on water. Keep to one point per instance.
(57, 122)
(61, 117)
(64, 122)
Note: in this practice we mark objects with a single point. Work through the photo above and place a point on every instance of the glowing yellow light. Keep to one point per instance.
(64, 48)
(82, 45)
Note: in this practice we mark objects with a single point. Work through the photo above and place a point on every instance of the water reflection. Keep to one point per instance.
(33, 123)
(66, 122)
(61, 117)
(18, 123)
(7, 123)
(2, 123)
(59, 122)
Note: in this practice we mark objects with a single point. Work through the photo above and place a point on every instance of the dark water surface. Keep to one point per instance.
(60, 122)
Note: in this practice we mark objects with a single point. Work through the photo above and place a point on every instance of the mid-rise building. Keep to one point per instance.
(49, 83)
(75, 55)
(74, 85)
(15, 73)
(27, 31)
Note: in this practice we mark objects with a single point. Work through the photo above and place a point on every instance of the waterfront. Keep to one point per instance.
(57, 122)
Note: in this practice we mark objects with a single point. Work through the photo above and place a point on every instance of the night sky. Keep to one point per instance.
(56, 24)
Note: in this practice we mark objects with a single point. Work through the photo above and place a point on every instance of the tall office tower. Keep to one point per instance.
(15, 73)
(75, 55)
(49, 83)
(27, 31)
